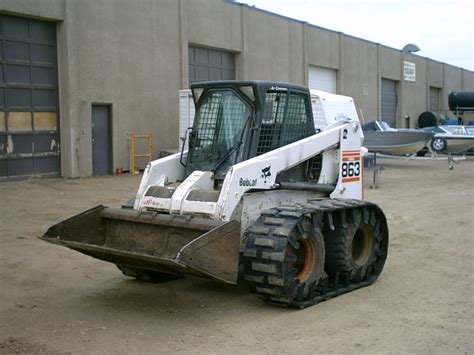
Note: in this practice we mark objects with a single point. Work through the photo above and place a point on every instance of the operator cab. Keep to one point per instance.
(238, 120)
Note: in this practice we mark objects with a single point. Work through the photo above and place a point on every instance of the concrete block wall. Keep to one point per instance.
(122, 58)
(134, 56)
(359, 76)
(412, 95)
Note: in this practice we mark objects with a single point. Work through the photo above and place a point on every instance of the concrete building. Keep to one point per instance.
(77, 77)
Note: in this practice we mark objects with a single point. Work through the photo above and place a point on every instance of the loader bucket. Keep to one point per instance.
(157, 242)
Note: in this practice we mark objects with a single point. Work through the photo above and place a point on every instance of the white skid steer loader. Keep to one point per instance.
(272, 180)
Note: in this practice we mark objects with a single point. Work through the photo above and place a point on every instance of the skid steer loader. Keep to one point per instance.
(272, 180)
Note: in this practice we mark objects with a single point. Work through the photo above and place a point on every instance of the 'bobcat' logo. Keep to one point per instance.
(266, 172)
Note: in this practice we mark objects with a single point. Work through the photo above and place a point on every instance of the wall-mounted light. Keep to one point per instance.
(410, 48)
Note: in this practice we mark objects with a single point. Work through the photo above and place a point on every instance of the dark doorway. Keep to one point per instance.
(101, 140)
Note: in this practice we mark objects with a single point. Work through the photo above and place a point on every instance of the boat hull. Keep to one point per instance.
(459, 144)
(396, 142)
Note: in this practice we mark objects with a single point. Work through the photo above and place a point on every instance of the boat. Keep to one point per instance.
(470, 131)
(450, 139)
(379, 137)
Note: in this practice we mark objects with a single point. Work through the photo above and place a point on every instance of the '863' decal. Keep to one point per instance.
(351, 167)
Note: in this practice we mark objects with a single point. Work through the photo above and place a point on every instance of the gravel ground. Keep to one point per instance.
(56, 301)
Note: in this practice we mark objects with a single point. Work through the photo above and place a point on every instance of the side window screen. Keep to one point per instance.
(295, 126)
(284, 121)
(273, 114)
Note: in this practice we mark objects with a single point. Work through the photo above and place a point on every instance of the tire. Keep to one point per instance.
(146, 275)
(439, 144)
(284, 266)
(304, 260)
(350, 250)
(427, 119)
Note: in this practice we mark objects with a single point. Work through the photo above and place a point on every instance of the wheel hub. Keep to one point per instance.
(305, 260)
(362, 246)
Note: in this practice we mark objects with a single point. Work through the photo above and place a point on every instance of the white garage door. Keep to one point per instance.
(322, 79)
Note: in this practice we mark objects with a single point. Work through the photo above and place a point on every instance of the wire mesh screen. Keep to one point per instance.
(313, 169)
(285, 120)
(218, 130)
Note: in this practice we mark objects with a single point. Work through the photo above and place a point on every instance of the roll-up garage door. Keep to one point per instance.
(210, 64)
(323, 79)
(389, 102)
(29, 129)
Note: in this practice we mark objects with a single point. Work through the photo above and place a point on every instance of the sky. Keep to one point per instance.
(442, 29)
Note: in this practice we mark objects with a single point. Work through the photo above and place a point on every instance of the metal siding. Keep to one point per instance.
(44, 76)
(19, 166)
(17, 51)
(210, 64)
(43, 54)
(28, 84)
(46, 164)
(389, 102)
(18, 98)
(44, 142)
(45, 98)
(17, 74)
(15, 27)
(23, 143)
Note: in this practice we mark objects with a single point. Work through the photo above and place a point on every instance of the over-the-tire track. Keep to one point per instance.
(266, 258)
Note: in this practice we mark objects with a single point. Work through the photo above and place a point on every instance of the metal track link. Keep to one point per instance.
(266, 259)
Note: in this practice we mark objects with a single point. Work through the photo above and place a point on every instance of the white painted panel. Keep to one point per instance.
(323, 79)
(329, 108)
(186, 114)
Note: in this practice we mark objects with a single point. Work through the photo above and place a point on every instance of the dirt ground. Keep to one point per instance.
(55, 301)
